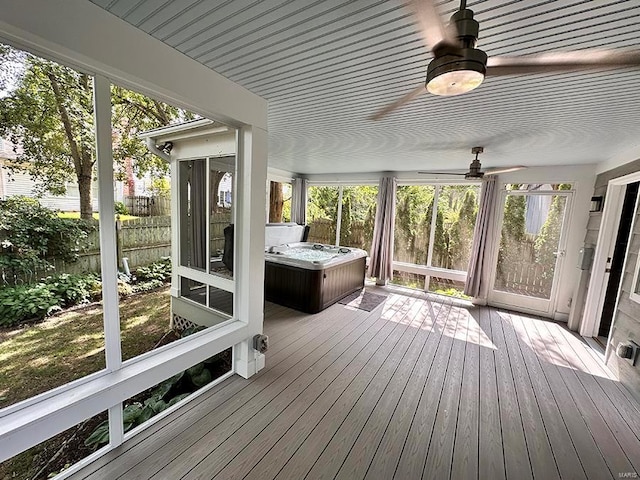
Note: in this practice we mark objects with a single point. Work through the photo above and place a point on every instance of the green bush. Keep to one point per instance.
(31, 236)
(73, 289)
(121, 208)
(34, 302)
(160, 270)
(27, 302)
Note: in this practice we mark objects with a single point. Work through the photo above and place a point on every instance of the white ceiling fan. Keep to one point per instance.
(475, 169)
(459, 67)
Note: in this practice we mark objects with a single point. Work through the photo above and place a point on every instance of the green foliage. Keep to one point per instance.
(547, 241)
(162, 396)
(34, 302)
(322, 203)
(73, 289)
(454, 224)
(58, 143)
(31, 236)
(26, 302)
(99, 436)
(121, 208)
(160, 187)
(160, 270)
(461, 232)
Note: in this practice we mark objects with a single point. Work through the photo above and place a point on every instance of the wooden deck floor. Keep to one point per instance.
(415, 389)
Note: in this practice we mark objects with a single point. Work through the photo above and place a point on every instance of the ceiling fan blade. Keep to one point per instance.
(433, 29)
(439, 173)
(398, 103)
(498, 171)
(553, 62)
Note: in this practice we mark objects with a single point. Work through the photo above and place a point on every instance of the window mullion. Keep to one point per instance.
(434, 221)
(432, 234)
(339, 216)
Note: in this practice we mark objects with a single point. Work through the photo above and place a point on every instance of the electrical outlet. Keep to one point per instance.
(628, 351)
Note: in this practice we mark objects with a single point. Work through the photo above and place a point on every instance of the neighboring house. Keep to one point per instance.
(21, 183)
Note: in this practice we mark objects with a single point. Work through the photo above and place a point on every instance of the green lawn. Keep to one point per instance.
(95, 215)
(63, 348)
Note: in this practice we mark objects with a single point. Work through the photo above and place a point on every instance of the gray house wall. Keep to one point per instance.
(627, 316)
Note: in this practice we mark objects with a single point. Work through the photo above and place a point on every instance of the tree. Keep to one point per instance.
(276, 202)
(461, 233)
(48, 112)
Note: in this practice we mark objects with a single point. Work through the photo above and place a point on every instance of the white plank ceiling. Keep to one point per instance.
(326, 65)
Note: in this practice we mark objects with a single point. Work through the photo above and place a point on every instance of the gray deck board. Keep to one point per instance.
(490, 452)
(422, 387)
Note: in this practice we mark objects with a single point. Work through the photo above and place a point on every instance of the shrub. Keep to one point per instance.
(26, 302)
(35, 302)
(121, 208)
(160, 270)
(73, 289)
(32, 235)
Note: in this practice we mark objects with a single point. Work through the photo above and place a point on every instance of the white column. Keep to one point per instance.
(339, 216)
(108, 257)
(249, 244)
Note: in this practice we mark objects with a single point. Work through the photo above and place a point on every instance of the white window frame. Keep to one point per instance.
(204, 277)
(429, 270)
(340, 186)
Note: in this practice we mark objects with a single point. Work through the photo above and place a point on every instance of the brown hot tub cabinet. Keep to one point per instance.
(313, 286)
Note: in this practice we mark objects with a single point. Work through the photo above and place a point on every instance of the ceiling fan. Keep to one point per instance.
(459, 67)
(475, 169)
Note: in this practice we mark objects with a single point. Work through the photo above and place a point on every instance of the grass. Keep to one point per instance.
(36, 358)
(95, 215)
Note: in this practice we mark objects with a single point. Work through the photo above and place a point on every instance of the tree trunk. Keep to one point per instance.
(275, 202)
(85, 187)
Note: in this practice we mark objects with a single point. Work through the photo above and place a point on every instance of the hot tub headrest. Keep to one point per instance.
(281, 233)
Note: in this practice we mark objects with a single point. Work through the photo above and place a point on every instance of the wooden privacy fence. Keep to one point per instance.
(530, 279)
(140, 206)
(323, 230)
(219, 221)
(141, 240)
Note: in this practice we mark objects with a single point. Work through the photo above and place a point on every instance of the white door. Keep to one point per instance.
(531, 248)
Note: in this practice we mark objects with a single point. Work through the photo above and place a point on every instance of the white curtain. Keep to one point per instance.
(381, 265)
(299, 200)
(479, 267)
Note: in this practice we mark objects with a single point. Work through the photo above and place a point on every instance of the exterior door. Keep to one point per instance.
(531, 247)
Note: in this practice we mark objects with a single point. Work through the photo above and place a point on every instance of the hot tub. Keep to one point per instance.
(312, 276)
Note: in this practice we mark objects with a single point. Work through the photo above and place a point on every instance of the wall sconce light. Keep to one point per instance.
(596, 204)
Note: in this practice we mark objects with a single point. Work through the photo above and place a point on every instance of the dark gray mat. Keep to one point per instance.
(363, 300)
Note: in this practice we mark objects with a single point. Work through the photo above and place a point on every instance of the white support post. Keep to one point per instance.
(339, 216)
(108, 257)
(116, 426)
(249, 244)
(108, 253)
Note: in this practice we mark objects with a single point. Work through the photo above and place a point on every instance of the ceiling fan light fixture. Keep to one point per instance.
(456, 74)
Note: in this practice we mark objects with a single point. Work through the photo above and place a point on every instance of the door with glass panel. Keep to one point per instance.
(531, 246)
